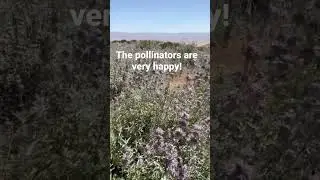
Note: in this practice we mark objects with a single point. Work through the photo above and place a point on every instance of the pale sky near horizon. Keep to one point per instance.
(156, 16)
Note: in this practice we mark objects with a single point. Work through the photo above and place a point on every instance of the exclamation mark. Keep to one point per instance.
(226, 14)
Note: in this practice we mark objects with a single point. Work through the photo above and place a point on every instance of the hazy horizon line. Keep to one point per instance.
(162, 36)
(160, 32)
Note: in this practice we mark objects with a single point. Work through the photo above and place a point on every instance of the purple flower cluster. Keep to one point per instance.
(171, 145)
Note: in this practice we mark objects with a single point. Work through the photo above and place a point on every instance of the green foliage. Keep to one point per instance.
(123, 41)
(148, 44)
(169, 45)
(146, 113)
(52, 95)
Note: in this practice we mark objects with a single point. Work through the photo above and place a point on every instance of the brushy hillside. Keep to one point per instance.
(53, 87)
(269, 125)
(160, 121)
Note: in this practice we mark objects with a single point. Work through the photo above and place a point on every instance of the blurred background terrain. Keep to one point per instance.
(268, 122)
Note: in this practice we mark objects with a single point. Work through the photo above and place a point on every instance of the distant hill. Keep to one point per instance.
(203, 43)
(174, 37)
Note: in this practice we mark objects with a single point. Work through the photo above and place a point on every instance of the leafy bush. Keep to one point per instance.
(157, 133)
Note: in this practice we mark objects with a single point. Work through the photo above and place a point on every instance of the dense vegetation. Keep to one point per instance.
(53, 84)
(54, 99)
(270, 124)
(158, 129)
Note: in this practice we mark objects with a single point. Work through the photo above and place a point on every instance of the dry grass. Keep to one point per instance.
(178, 82)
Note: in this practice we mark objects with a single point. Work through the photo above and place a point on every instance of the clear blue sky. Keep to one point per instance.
(172, 16)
